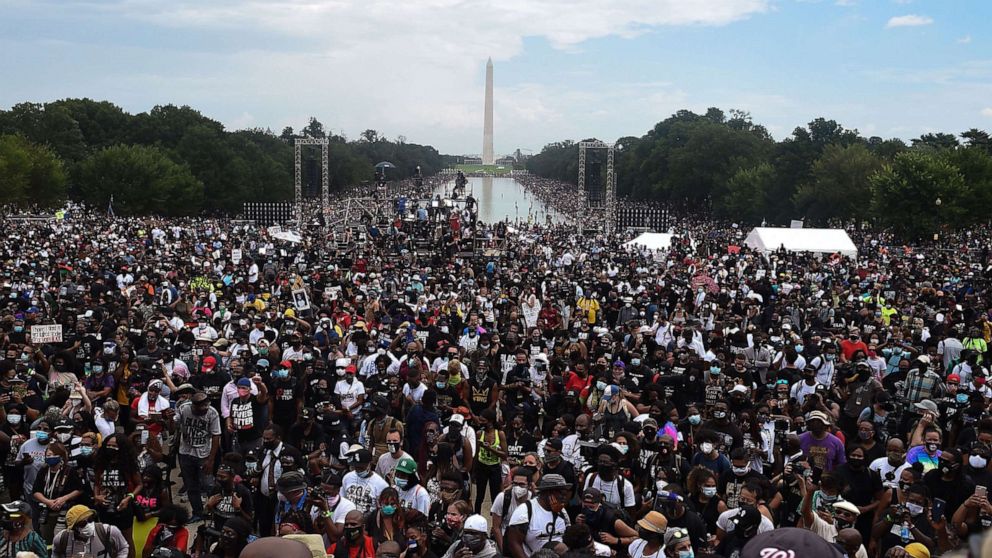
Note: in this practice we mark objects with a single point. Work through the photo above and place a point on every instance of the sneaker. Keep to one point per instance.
(194, 519)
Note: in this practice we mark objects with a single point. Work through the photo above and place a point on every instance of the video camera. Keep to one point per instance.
(14, 513)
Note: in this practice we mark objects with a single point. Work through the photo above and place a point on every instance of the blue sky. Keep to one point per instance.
(564, 69)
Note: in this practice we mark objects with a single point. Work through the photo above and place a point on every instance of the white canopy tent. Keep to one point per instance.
(819, 241)
(652, 241)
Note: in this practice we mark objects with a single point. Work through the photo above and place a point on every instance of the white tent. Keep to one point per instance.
(820, 241)
(653, 241)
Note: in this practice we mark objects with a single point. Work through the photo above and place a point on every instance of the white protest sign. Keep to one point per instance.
(236, 256)
(46, 333)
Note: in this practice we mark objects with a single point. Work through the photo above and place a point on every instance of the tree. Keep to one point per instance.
(30, 174)
(936, 141)
(978, 139)
(840, 185)
(141, 180)
(907, 190)
(370, 136)
(287, 134)
(50, 125)
(746, 196)
(313, 130)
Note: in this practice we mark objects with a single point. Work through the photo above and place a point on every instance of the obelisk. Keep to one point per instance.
(487, 130)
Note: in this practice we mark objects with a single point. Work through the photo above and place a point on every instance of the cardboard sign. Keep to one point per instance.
(46, 333)
(332, 293)
(301, 300)
(236, 256)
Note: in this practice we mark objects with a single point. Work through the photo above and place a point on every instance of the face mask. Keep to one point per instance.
(914, 509)
(686, 554)
(364, 474)
(393, 447)
(855, 463)
(741, 471)
(624, 450)
(842, 524)
(961, 398)
(947, 467)
(388, 509)
(520, 493)
(64, 437)
(931, 447)
(799, 348)
(715, 370)
(352, 533)
(706, 447)
(97, 369)
(695, 419)
(865, 435)
(53, 460)
(601, 386)
(473, 542)
(440, 385)
(709, 491)
(41, 436)
(86, 450)
(87, 532)
(14, 420)
(719, 414)
(280, 374)
(605, 470)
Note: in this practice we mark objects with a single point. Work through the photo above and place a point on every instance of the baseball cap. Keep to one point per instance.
(818, 415)
(457, 418)
(954, 378)
(476, 523)
(554, 443)
(244, 382)
(208, 363)
(927, 405)
(407, 465)
(789, 541)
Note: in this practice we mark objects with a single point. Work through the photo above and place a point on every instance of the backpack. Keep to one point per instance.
(619, 511)
(530, 512)
(102, 534)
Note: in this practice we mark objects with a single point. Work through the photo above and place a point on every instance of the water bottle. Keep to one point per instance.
(904, 532)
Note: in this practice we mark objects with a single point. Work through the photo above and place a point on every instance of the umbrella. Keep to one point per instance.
(385, 165)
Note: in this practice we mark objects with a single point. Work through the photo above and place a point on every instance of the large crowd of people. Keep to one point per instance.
(183, 387)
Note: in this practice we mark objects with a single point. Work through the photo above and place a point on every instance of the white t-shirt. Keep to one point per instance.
(890, 475)
(363, 492)
(349, 392)
(416, 498)
(416, 393)
(611, 492)
(497, 508)
(542, 526)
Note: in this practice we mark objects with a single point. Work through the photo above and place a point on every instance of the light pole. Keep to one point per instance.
(937, 203)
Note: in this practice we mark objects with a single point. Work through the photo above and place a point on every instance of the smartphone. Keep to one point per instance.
(815, 473)
(937, 512)
(981, 492)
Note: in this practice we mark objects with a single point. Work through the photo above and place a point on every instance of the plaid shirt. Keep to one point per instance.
(922, 385)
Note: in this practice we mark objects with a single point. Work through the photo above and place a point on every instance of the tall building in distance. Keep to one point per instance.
(487, 130)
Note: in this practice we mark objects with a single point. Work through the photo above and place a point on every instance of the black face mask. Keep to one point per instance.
(606, 471)
(270, 445)
(352, 533)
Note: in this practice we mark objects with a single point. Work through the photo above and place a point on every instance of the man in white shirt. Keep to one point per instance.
(362, 485)
(540, 520)
(351, 390)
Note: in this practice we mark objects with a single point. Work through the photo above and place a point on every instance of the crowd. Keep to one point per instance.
(206, 385)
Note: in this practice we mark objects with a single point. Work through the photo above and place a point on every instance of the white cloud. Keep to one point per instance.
(412, 68)
(964, 40)
(987, 112)
(909, 20)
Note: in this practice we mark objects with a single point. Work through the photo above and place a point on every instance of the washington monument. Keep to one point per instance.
(487, 130)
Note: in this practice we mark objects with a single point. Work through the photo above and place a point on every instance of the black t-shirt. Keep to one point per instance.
(861, 485)
(479, 394)
(212, 384)
(284, 393)
(730, 485)
(308, 442)
(954, 492)
(225, 508)
(517, 444)
(247, 418)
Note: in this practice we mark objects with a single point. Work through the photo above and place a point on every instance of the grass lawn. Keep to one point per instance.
(484, 168)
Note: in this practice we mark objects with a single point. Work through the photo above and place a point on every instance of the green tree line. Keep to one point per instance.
(823, 173)
(173, 160)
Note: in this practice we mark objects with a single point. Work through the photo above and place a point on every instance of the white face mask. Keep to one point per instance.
(87, 532)
(520, 493)
(709, 491)
(977, 461)
(64, 437)
(706, 447)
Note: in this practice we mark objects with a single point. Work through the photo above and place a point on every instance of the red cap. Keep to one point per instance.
(286, 364)
(208, 363)
(954, 378)
(351, 369)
